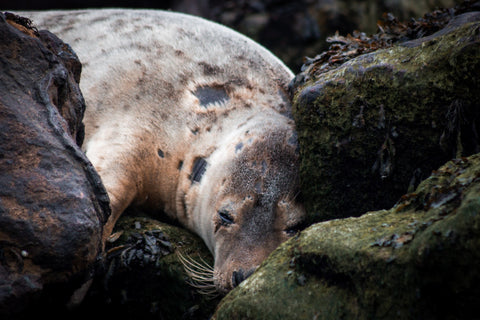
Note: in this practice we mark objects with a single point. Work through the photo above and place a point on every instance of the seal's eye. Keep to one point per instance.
(225, 217)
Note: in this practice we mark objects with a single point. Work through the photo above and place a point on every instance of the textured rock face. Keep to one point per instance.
(373, 128)
(415, 261)
(143, 276)
(52, 203)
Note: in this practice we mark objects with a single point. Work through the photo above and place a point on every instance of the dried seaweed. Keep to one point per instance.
(390, 31)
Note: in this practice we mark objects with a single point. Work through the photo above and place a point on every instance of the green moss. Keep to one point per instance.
(416, 260)
(144, 277)
(383, 121)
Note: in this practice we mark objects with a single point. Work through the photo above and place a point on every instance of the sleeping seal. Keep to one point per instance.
(190, 119)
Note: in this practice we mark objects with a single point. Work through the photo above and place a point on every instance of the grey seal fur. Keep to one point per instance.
(190, 119)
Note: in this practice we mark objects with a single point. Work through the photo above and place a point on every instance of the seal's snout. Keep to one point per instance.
(240, 275)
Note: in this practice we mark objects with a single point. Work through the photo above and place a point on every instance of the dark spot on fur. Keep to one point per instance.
(97, 19)
(160, 153)
(199, 168)
(184, 78)
(209, 70)
(185, 33)
(264, 166)
(117, 24)
(258, 187)
(211, 95)
(180, 165)
(179, 53)
(238, 147)
(140, 47)
(195, 131)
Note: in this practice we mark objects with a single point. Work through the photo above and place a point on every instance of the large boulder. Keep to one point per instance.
(417, 260)
(52, 202)
(373, 127)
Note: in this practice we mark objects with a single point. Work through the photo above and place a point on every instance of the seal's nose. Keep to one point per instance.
(240, 275)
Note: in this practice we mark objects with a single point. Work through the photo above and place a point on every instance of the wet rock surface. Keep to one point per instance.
(375, 117)
(415, 261)
(144, 277)
(373, 127)
(52, 203)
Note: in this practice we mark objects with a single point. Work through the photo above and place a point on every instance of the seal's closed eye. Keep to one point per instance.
(225, 217)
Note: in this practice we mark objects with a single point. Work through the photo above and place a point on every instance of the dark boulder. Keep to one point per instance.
(52, 202)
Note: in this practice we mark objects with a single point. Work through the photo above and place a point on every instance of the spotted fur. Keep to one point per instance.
(190, 119)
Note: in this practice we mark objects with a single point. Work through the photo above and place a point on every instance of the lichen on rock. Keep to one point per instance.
(373, 132)
(144, 277)
(416, 260)
(374, 127)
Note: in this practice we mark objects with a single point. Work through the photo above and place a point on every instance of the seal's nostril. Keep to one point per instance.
(240, 275)
(237, 277)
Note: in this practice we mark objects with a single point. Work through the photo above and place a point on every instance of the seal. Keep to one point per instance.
(189, 119)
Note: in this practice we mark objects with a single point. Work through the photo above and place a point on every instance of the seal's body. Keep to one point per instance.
(192, 119)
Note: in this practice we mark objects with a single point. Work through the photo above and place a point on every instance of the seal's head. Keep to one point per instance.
(250, 189)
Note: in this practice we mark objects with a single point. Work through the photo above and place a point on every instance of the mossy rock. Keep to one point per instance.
(376, 126)
(417, 260)
(143, 276)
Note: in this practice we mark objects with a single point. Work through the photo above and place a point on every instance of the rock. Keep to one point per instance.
(52, 202)
(415, 261)
(144, 277)
(372, 128)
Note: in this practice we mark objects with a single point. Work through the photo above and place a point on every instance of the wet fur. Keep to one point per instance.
(188, 118)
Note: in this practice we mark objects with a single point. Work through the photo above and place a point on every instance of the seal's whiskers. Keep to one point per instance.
(200, 273)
